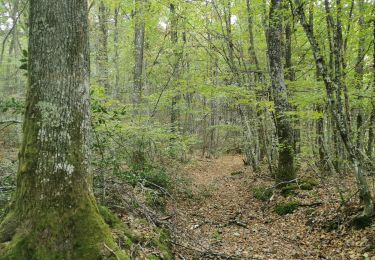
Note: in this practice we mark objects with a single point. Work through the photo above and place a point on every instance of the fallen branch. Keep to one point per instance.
(8, 123)
(238, 223)
(207, 253)
(110, 250)
(284, 182)
(11, 122)
(311, 204)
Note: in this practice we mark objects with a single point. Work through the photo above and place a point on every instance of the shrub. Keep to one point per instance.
(151, 177)
(286, 207)
(308, 184)
(289, 190)
(262, 193)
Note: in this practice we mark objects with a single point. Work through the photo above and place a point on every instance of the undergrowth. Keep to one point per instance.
(262, 193)
(285, 208)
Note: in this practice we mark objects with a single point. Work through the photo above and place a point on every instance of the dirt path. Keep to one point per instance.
(223, 222)
(226, 222)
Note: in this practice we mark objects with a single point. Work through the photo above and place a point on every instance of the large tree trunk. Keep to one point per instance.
(285, 171)
(54, 214)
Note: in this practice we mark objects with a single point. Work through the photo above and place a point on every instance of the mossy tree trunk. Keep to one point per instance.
(354, 155)
(54, 214)
(285, 170)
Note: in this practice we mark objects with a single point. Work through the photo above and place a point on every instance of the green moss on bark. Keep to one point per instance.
(76, 234)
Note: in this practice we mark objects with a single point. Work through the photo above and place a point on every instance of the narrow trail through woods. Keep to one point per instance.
(222, 219)
(226, 221)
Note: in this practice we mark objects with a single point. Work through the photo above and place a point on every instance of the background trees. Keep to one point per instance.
(205, 76)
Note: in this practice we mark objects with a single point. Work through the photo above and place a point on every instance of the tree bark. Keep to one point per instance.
(102, 54)
(139, 42)
(285, 170)
(371, 131)
(359, 70)
(54, 214)
(174, 39)
(354, 154)
(117, 54)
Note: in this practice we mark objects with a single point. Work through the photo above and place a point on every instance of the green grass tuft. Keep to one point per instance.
(286, 207)
(262, 193)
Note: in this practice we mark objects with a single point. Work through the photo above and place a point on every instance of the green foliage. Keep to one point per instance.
(149, 176)
(162, 241)
(217, 236)
(293, 188)
(310, 181)
(308, 184)
(286, 207)
(262, 193)
(236, 173)
(12, 105)
(139, 142)
(290, 189)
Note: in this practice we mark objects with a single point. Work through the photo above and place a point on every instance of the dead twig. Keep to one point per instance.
(207, 253)
(110, 250)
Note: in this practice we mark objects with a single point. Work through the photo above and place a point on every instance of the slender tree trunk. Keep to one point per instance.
(250, 28)
(174, 38)
(117, 54)
(139, 42)
(359, 70)
(371, 133)
(353, 153)
(102, 54)
(285, 171)
(54, 214)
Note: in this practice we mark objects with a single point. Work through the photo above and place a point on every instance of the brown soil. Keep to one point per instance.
(222, 219)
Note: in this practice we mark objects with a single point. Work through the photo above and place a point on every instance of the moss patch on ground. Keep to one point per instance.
(285, 208)
(262, 193)
(290, 190)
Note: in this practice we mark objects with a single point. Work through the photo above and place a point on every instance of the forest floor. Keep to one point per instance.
(223, 220)
(215, 215)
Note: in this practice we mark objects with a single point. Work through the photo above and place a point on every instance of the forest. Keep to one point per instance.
(187, 129)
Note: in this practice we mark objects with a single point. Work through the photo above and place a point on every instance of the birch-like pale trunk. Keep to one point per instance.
(354, 154)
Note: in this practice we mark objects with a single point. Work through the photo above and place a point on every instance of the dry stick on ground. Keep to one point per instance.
(284, 182)
(112, 252)
(207, 253)
(8, 123)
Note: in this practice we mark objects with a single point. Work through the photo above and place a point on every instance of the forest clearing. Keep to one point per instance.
(187, 129)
